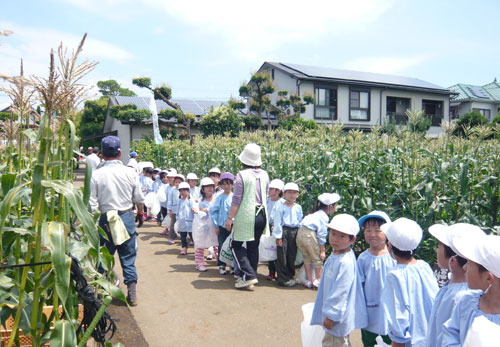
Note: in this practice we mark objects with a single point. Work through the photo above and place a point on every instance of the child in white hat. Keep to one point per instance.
(194, 190)
(173, 200)
(483, 274)
(410, 288)
(448, 296)
(374, 264)
(311, 237)
(340, 304)
(184, 215)
(287, 216)
(275, 195)
(167, 188)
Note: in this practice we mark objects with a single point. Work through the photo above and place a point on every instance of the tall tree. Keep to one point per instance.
(92, 121)
(257, 90)
(113, 88)
(164, 93)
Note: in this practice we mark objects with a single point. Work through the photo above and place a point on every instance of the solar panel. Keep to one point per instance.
(478, 92)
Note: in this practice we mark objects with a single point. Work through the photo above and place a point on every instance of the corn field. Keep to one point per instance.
(444, 180)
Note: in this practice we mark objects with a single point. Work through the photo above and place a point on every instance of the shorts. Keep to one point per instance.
(307, 241)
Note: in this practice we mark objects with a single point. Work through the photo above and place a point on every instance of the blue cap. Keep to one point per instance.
(133, 154)
(110, 146)
(375, 214)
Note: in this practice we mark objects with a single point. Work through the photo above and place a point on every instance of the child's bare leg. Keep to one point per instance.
(308, 268)
(318, 270)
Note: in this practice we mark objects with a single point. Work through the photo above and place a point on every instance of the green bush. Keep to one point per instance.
(221, 120)
(295, 121)
(252, 122)
(467, 121)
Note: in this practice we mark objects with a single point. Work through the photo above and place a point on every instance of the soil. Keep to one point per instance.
(179, 306)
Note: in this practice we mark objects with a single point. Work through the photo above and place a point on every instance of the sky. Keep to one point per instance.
(207, 49)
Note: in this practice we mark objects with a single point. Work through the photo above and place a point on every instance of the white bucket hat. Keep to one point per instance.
(277, 184)
(183, 185)
(178, 175)
(291, 186)
(329, 198)
(404, 234)
(251, 155)
(214, 170)
(446, 234)
(484, 250)
(374, 214)
(344, 223)
(171, 172)
(207, 181)
(191, 176)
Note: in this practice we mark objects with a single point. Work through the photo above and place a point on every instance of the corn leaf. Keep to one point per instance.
(61, 263)
(113, 290)
(63, 335)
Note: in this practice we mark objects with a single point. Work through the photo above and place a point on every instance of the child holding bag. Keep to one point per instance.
(184, 215)
(311, 237)
(204, 233)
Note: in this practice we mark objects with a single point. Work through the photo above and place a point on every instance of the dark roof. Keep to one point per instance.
(357, 77)
(195, 106)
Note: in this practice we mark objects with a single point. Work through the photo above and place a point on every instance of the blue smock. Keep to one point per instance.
(408, 297)
(446, 300)
(219, 211)
(317, 221)
(340, 296)
(373, 271)
(194, 193)
(286, 216)
(185, 215)
(165, 188)
(467, 309)
(173, 199)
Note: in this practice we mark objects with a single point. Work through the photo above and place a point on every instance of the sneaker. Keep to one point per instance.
(308, 284)
(165, 231)
(222, 270)
(201, 268)
(210, 256)
(242, 284)
(253, 281)
(191, 243)
(270, 277)
(171, 241)
(183, 251)
(289, 283)
(315, 284)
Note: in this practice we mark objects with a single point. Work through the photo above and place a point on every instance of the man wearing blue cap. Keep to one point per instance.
(132, 162)
(114, 191)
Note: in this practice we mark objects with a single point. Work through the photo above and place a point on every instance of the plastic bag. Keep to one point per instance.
(267, 248)
(301, 276)
(162, 197)
(166, 221)
(155, 208)
(312, 335)
(482, 332)
(149, 199)
(225, 253)
(203, 231)
(380, 342)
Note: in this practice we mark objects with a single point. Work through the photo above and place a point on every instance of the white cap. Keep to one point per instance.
(345, 223)
(374, 214)
(178, 175)
(191, 176)
(251, 155)
(171, 172)
(403, 233)
(183, 185)
(277, 184)
(446, 234)
(214, 170)
(207, 181)
(484, 250)
(329, 198)
(291, 186)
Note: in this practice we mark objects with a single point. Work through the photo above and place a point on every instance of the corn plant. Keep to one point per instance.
(407, 174)
(43, 217)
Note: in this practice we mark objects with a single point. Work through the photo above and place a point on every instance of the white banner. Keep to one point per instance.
(154, 116)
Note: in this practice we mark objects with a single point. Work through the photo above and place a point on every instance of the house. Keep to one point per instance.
(128, 132)
(484, 99)
(359, 99)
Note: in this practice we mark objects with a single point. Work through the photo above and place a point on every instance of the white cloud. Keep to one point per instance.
(388, 64)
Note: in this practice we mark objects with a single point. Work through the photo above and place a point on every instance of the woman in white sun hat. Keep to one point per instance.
(410, 287)
(483, 274)
(249, 211)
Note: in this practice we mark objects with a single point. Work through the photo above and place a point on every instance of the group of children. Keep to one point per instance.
(386, 291)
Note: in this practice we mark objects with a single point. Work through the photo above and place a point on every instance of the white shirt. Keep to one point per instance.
(133, 164)
(94, 160)
(114, 187)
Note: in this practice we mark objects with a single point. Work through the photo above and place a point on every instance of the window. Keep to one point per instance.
(396, 109)
(272, 74)
(359, 105)
(434, 110)
(485, 112)
(325, 103)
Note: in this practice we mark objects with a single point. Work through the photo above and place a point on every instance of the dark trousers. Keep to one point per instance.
(126, 251)
(164, 212)
(248, 258)
(285, 263)
(368, 338)
(184, 241)
(223, 234)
